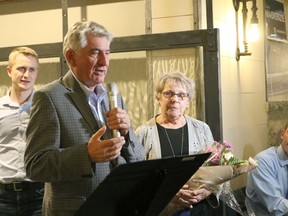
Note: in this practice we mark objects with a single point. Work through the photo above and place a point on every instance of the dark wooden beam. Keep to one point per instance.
(159, 41)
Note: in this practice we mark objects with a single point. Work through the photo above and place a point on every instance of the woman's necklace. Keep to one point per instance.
(169, 141)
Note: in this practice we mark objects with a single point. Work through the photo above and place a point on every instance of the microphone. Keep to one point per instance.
(112, 94)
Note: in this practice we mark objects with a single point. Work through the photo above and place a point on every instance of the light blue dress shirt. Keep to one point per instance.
(267, 185)
(95, 100)
(13, 124)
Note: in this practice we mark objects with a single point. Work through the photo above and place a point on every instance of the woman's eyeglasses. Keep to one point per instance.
(170, 94)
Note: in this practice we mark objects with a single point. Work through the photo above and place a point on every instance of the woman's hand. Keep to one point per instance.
(186, 198)
(181, 199)
(199, 195)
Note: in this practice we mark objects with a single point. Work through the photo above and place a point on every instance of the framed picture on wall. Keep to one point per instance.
(276, 67)
(275, 20)
(276, 50)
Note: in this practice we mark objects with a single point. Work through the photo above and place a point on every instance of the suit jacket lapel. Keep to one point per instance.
(78, 97)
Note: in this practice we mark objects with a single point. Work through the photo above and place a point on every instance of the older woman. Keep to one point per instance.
(172, 133)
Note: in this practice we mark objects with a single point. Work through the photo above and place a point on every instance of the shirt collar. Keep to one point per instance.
(9, 103)
(99, 89)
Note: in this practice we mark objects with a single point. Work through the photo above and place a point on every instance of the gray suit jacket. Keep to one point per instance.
(60, 126)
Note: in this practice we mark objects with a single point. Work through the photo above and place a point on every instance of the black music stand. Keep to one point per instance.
(141, 188)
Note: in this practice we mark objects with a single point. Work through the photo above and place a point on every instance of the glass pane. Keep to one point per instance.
(128, 71)
(50, 70)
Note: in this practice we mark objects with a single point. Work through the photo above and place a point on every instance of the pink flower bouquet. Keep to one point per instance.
(222, 166)
(219, 168)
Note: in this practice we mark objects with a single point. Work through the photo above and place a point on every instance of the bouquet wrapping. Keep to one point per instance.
(219, 174)
(218, 170)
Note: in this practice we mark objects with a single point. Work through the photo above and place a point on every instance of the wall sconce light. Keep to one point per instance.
(253, 34)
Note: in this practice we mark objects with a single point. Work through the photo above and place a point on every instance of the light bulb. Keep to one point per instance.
(253, 33)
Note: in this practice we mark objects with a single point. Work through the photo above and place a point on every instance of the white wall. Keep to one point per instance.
(123, 19)
(243, 86)
(31, 28)
(172, 16)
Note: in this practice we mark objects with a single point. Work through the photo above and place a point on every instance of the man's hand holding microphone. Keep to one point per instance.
(117, 120)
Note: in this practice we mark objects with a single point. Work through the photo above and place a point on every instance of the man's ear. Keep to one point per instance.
(70, 57)
(282, 133)
(9, 69)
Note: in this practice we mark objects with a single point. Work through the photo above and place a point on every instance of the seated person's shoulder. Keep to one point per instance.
(267, 157)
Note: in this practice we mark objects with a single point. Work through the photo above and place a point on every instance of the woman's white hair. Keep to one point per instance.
(176, 77)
